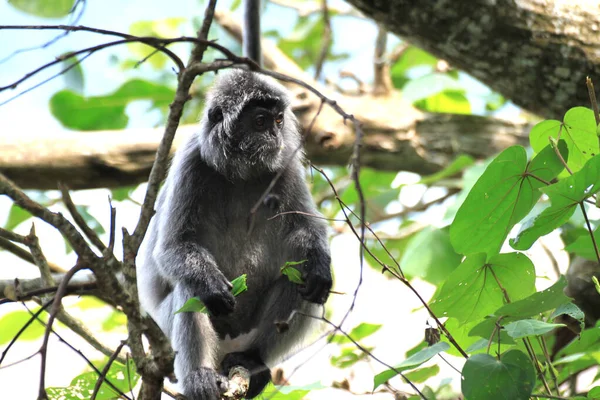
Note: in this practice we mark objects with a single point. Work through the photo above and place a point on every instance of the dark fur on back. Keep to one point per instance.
(199, 240)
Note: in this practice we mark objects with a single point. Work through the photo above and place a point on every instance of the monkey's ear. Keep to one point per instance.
(215, 115)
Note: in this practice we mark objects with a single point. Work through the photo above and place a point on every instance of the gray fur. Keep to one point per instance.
(199, 239)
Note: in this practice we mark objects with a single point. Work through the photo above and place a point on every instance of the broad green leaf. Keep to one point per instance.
(502, 196)
(487, 378)
(449, 101)
(460, 333)
(162, 28)
(583, 245)
(293, 274)
(358, 333)
(122, 377)
(12, 322)
(537, 303)
(578, 131)
(529, 327)
(429, 255)
(106, 112)
(420, 375)
(121, 193)
(457, 165)
(44, 8)
(473, 290)
(411, 362)
(89, 302)
(588, 341)
(16, 215)
(565, 196)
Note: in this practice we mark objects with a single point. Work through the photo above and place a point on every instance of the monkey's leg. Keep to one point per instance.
(270, 345)
(260, 374)
(195, 342)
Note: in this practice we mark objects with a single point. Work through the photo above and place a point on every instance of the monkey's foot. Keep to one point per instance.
(204, 384)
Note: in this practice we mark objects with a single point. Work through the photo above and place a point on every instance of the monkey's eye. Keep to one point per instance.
(260, 120)
(279, 119)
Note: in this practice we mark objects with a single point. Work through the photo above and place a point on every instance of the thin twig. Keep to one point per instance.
(326, 40)
(105, 370)
(88, 232)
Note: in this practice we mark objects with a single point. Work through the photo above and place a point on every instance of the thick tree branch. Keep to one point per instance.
(535, 52)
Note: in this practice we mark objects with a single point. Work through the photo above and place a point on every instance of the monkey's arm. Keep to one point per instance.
(307, 239)
(184, 262)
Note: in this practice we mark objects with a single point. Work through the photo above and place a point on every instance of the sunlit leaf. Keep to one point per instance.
(475, 289)
(44, 8)
(584, 247)
(162, 28)
(293, 274)
(358, 333)
(12, 322)
(448, 101)
(430, 85)
(502, 196)
(106, 112)
(457, 165)
(16, 215)
(578, 131)
(565, 196)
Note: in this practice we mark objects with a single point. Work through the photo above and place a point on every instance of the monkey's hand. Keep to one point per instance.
(215, 292)
(317, 279)
(204, 384)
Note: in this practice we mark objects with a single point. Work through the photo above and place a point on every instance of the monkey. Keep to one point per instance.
(199, 239)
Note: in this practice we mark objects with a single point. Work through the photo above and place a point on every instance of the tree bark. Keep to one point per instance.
(535, 52)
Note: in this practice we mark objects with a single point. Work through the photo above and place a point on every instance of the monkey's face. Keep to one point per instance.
(256, 137)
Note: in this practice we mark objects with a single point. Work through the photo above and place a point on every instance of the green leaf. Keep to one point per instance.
(12, 322)
(449, 101)
(196, 305)
(121, 193)
(578, 131)
(74, 75)
(90, 220)
(487, 330)
(538, 302)
(430, 85)
(106, 112)
(565, 196)
(411, 57)
(293, 274)
(529, 327)
(572, 311)
(487, 378)
(44, 8)
(422, 374)
(429, 255)
(124, 378)
(273, 392)
(502, 196)
(472, 291)
(239, 285)
(583, 245)
(357, 333)
(115, 320)
(193, 305)
(594, 393)
(16, 215)
(162, 28)
(457, 165)
(348, 357)
(411, 362)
